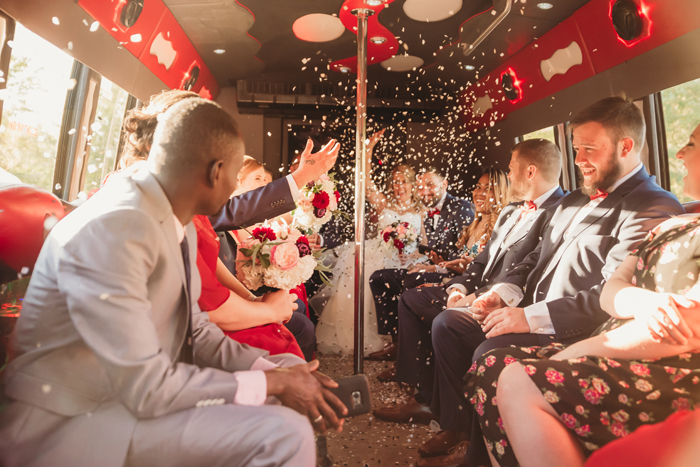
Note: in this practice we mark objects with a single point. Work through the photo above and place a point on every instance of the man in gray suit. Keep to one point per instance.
(114, 362)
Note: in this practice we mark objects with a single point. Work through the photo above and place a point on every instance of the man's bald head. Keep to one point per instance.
(191, 136)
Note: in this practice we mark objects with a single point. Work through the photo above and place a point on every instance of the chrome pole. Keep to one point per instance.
(360, 183)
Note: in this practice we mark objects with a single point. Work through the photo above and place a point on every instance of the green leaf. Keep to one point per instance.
(265, 260)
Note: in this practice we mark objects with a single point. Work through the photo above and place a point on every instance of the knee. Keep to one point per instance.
(510, 384)
(444, 324)
(295, 435)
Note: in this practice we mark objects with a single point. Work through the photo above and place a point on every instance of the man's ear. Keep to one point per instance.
(531, 171)
(214, 173)
(444, 183)
(626, 145)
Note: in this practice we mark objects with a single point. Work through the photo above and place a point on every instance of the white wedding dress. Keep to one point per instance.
(336, 305)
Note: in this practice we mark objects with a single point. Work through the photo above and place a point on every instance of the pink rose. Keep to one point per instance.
(509, 360)
(480, 409)
(401, 229)
(285, 256)
(580, 410)
(592, 396)
(530, 370)
(490, 360)
(618, 429)
(600, 386)
(613, 363)
(644, 417)
(639, 370)
(568, 420)
(554, 377)
(472, 369)
(583, 431)
(681, 404)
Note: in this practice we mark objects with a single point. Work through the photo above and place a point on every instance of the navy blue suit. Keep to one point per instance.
(387, 285)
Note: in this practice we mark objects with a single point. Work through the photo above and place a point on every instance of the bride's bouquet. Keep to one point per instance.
(401, 237)
(318, 203)
(278, 256)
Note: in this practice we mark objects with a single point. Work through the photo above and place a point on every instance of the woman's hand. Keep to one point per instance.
(422, 268)
(664, 320)
(281, 305)
(435, 258)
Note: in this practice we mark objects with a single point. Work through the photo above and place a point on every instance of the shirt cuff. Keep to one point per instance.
(509, 293)
(538, 318)
(457, 288)
(252, 388)
(293, 188)
(441, 269)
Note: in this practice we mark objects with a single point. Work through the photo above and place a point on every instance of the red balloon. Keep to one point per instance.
(25, 213)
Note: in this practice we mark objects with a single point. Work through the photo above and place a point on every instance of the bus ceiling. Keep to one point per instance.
(500, 59)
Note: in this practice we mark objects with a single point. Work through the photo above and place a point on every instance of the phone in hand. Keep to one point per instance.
(425, 250)
(353, 391)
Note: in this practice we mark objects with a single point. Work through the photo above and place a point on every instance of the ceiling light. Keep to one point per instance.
(345, 69)
(545, 6)
(469, 67)
(219, 51)
(377, 40)
(374, 2)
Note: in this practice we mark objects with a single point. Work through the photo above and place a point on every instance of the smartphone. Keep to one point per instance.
(354, 393)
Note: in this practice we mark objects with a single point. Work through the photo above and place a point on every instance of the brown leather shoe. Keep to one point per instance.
(387, 354)
(441, 443)
(387, 375)
(412, 412)
(455, 458)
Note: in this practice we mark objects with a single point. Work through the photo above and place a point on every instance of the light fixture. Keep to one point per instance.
(469, 67)
(345, 69)
(374, 2)
(219, 51)
(545, 6)
(377, 40)
(627, 20)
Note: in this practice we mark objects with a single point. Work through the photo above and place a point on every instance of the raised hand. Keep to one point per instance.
(305, 390)
(312, 166)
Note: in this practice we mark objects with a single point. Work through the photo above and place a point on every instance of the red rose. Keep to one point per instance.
(399, 245)
(319, 212)
(569, 420)
(264, 233)
(337, 195)
(303, 239)
(387, 236)
(303, 246)
(321, 200)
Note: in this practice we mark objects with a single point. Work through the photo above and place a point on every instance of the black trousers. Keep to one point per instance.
(304, 330)
(417, 310)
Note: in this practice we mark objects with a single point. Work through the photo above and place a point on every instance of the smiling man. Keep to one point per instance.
(553, 295)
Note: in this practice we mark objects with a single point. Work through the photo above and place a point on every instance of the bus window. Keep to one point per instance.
(681, 116)
(106, 130)
(544, 133)
(37, 82)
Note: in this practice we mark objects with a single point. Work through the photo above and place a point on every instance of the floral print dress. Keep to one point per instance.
(601, 399)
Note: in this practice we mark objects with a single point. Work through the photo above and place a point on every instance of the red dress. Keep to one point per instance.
(275, 338)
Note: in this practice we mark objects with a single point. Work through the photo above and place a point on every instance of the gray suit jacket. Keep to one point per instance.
(97, 345)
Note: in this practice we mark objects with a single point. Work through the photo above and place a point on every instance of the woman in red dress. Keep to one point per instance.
(242, 316)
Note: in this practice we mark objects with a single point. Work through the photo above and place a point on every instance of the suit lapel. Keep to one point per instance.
(498, 247)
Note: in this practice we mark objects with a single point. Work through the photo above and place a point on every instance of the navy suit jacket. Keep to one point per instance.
(454, 215)
(498, 258)
(570, 272)
(255, 206)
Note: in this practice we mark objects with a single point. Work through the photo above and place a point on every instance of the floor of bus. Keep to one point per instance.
(365, 440)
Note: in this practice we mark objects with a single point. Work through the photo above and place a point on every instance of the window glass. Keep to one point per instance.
(37, 83)
(544, 133)
(681, 116)
(106, 130)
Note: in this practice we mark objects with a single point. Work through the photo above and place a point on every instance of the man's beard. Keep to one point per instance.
(610, 174)
(517, 192)
(433, 201)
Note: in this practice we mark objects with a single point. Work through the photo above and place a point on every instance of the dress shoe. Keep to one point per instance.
(387, 354)
(411, 412)
(387, 375)
(455, 458)
(441, 443)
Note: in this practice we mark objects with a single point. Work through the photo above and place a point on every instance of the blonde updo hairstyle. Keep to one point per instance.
(249, 166)
(410, 174)
(499, 183)
(140, 125)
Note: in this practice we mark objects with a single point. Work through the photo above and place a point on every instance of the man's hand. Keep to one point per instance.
(455, 297)
(508, 320)
(486, 304)
(305, 390)
(281, 305)
(435, 258)
(422, 268)
(312, 166)
(664, 320)
(314, 241)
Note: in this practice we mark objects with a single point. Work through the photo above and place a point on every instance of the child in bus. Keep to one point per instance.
(557, 405)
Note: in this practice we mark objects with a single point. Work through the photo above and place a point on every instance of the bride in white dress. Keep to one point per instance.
(335, 329)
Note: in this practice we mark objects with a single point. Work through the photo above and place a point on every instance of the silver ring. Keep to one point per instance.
(316, 420)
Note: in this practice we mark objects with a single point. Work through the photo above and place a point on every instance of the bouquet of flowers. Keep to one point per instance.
(278, 256)
(400, 236)
(318, 203)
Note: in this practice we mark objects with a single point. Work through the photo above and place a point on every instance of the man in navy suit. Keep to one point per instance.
(443, 222)
(553, 295)
(535, 166)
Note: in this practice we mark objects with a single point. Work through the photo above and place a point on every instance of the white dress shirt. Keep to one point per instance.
(537, 314)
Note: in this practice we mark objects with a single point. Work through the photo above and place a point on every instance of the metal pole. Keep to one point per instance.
(360, 182)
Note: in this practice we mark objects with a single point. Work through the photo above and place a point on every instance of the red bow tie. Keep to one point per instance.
(528, 206)
(433, 212)
(599, 194)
